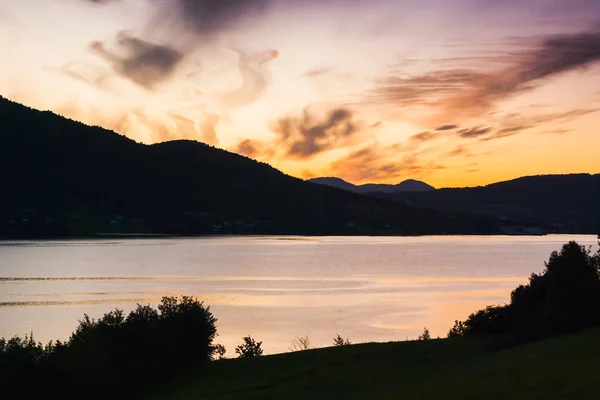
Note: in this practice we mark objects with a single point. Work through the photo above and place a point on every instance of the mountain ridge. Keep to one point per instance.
(566, 203)
(408, 185)
(67, 179)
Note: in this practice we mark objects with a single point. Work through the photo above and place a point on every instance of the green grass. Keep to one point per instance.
(560, 368)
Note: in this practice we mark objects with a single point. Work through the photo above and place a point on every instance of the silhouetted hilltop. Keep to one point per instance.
(63, 178)
(409, 185)
(562, 203)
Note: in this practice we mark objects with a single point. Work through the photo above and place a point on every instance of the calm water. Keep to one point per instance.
(275, 288)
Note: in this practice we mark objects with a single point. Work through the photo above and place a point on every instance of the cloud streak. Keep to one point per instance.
(453, 93)
(376, 163)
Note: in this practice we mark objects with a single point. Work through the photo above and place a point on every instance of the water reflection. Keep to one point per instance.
(366, 289)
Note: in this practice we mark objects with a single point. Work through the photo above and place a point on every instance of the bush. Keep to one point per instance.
(114, 354)
(425, 335)
(340, 341)
(565, 297)
(250, 348)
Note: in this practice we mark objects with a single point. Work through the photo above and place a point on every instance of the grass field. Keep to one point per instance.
(561, 368)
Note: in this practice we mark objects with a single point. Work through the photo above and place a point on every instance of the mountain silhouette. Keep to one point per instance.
(558, 203)
(409, 185)
(62, 178)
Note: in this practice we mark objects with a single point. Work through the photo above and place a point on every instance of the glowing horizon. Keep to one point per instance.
(455, 93)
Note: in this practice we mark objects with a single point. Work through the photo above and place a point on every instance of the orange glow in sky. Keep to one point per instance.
(455, 93)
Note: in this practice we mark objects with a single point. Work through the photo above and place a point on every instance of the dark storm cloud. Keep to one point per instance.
(308, 135)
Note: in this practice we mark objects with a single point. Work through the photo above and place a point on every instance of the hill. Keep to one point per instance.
(557, 203)
(62, 178)
(409, 185)
(558, 368)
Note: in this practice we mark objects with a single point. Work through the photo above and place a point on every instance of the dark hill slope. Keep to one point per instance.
(450, 369)
(566, 203)
(63, 178)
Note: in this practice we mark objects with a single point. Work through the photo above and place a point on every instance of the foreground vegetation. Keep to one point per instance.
(518, 350)
(116, 355)
(458, 368)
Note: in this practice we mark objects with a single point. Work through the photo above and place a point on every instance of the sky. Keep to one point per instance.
(452, 92)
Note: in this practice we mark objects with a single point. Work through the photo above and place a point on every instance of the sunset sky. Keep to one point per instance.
(453, 92)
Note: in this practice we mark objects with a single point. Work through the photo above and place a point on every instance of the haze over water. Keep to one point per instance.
(273, 288)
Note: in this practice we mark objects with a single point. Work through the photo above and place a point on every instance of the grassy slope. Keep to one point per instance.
(560, 368)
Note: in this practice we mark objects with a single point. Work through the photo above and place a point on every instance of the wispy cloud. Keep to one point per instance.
(476, 132)
(375, 163)
(460, 92)
(177, 29)
(446, 127)
(317, 72)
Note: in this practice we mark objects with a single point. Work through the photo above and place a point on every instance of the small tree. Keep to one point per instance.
(425, 335)
(459, 329)
(249, 349)
(301, 343)
(340, 341)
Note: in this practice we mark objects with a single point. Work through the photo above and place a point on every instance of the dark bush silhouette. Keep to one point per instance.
(565, 297)
(114, 354)
(249, 349)
(426, 335)
(340, 341)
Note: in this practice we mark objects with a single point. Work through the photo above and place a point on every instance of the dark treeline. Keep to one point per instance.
(564, 298)
(62, 178)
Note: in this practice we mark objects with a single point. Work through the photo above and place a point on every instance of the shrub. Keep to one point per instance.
(250, 348)
(340, 341)
(565, 297)
(425, 335)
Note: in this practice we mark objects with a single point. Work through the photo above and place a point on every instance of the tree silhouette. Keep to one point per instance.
(250, 348)
(563, 298)
(340, 341)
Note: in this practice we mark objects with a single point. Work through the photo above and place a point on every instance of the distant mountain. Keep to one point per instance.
(558, 203)
(63, 178)
(335, 182)
(409, 185)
